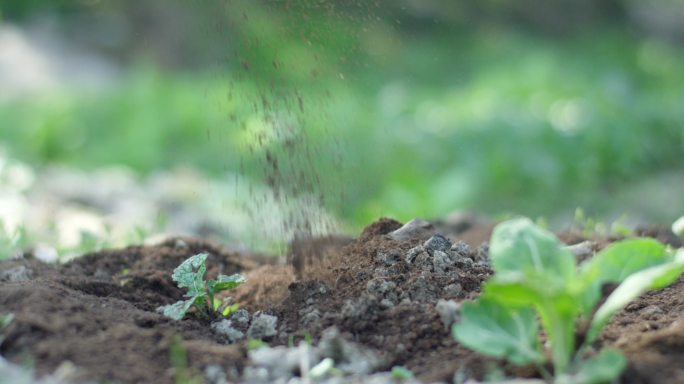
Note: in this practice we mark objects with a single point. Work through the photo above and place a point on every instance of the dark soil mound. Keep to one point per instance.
(99, 312)
(395, 297)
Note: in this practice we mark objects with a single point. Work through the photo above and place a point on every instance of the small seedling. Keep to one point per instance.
(12, 243)
(587, 226)
(401, 373)
(253, 344)
(178, 357)
(308, 338)
(536, 278)
(190, 275)
(5, 321)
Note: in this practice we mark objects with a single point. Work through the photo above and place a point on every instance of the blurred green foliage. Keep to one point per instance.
(487, 116)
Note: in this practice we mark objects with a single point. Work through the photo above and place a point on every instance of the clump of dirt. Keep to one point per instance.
(395, 299)
(384, 293)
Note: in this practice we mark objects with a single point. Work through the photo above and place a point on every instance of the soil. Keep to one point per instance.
(99, 312)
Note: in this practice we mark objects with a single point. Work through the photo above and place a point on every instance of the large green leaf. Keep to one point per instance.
(224, 282)
(493, 329)
(557, 310)
(615, 263)
(655, 277)
(519, 246)
(600, 369)
(190, 275)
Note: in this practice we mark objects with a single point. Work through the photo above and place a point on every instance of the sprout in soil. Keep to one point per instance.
(201, 292)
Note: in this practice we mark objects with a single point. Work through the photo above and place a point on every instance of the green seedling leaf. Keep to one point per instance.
(633, 286)
(615, 263)
(178, 309)
(190, 275)
(602, 368)
(401, 373)
(518, 246)
(216, 304)
(491, 328)
(557, 310)
(224, 282)
(6, 320)
(230, 309)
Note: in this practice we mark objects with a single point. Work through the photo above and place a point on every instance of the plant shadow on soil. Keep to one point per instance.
(99, 312)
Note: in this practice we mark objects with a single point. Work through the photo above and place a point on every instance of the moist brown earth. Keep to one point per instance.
(99, 312)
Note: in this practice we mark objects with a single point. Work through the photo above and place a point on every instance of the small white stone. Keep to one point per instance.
(449, 312)
(678, 227)
(414, 228)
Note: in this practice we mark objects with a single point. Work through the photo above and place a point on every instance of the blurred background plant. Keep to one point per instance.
(281, 116)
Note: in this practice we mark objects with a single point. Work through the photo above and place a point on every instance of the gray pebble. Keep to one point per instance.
(651, 310)
(437, 243)
(225, 327)
(356, 309)
(482, 254)
(465, 262)
(453, 290)
(255, 375)
(283, 362)
(424, 261)
(263, 326)
(413, 253)
(380, 286)
(384, 290)
(350, 358)
(309, 316)
(241, 316)
(583, 249)
(441, 261)
(422, 291)
(460, 249)
(180, 244)
(215, 375)
(387, 303)
(449, 312)
(388, 258)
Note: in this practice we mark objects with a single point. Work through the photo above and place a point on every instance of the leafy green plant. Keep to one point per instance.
(537, 279)
(201, 293)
